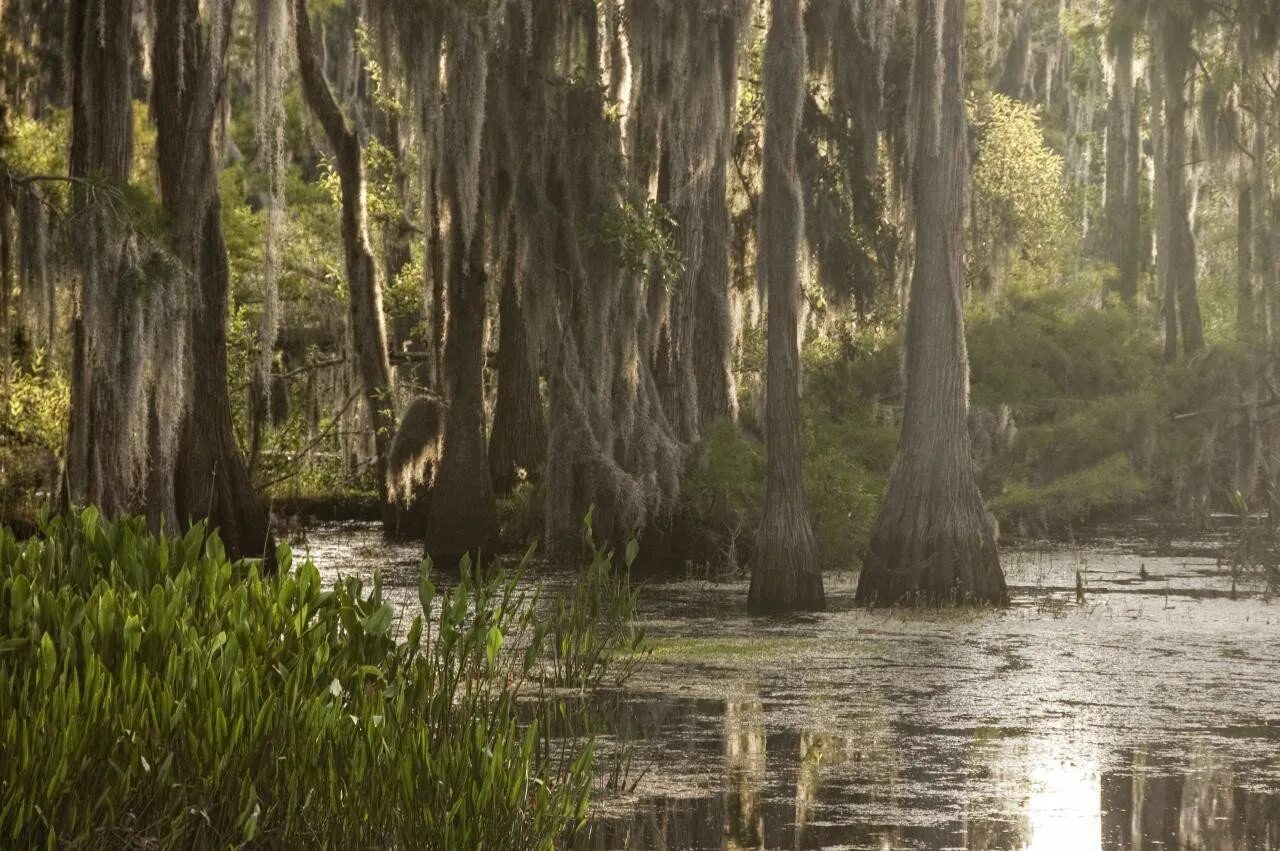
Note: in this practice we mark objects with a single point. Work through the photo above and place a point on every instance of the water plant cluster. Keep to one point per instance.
(155, 694)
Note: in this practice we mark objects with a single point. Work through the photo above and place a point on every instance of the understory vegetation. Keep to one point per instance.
(1071, 416)
(155, 694)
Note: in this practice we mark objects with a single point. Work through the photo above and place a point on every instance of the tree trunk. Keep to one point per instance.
(210, 478)
(1179, 241)
(519, 438)
(713, 333)
(1160, 199)
(785, 575)
(7, 240)
(1256, 264)
(933, 542)
(100, 465)
(1247, 447)
(435, 309)
(368, 330)
(1015, 76)
(463, 510)
(1121, 201)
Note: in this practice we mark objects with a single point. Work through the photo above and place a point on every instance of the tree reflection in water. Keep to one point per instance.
(783, 788)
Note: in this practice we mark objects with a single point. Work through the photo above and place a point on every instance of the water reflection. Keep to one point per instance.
(1152, 804)
(745, 773)
(772, 786)
(1147, 717)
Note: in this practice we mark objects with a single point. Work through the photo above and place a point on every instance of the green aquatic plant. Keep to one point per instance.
(592, 638)
(155, 694)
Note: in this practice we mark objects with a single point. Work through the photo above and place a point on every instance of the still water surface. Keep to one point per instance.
(1146, 717)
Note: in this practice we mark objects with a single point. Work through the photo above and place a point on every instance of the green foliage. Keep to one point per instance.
(592, 639)
(639, 237)
(847, 457)
(520, 521)
(1033, 346)
(1019, 195)
(33, 427)
(844, 493)
(35, 412)
(153, 694)
(403, 294)
(727, 472)
(1015, 173)
(39, 147)
(242, 228)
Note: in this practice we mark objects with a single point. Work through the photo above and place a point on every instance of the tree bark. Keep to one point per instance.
(713, 333)
(1247, 448)
(1121, 199)
(99, 468)
(933, 542)
(1160, 199)
(1015, 76)
(1179, 240)
(519, 438)
(463, 510)
(364, 288)
(210, 478)
(785, 574)
(7, 239)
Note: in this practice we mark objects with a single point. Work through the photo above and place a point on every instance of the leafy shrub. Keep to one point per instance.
(33, 426)
(520, 520)
(153, 694)
(845, 465)
(35, 412)
(1111, 483)
(845, 469)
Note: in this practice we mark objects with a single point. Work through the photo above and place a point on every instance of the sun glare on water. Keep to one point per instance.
(1062, 810)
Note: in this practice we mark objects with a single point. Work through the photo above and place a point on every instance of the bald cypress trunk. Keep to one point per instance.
(713, 329)
(99, 465)
(364, 287)
(1165, 287)
(1120, 205)
(463, 510)
(1015, 75)
(519, 439)
(713, 324)
(211, 479)
(933, 542)
(1175, 59)
(1247, 445)
(7, 239)
(785, 575)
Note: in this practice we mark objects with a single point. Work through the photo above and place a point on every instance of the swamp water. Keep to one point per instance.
(1145, 717)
